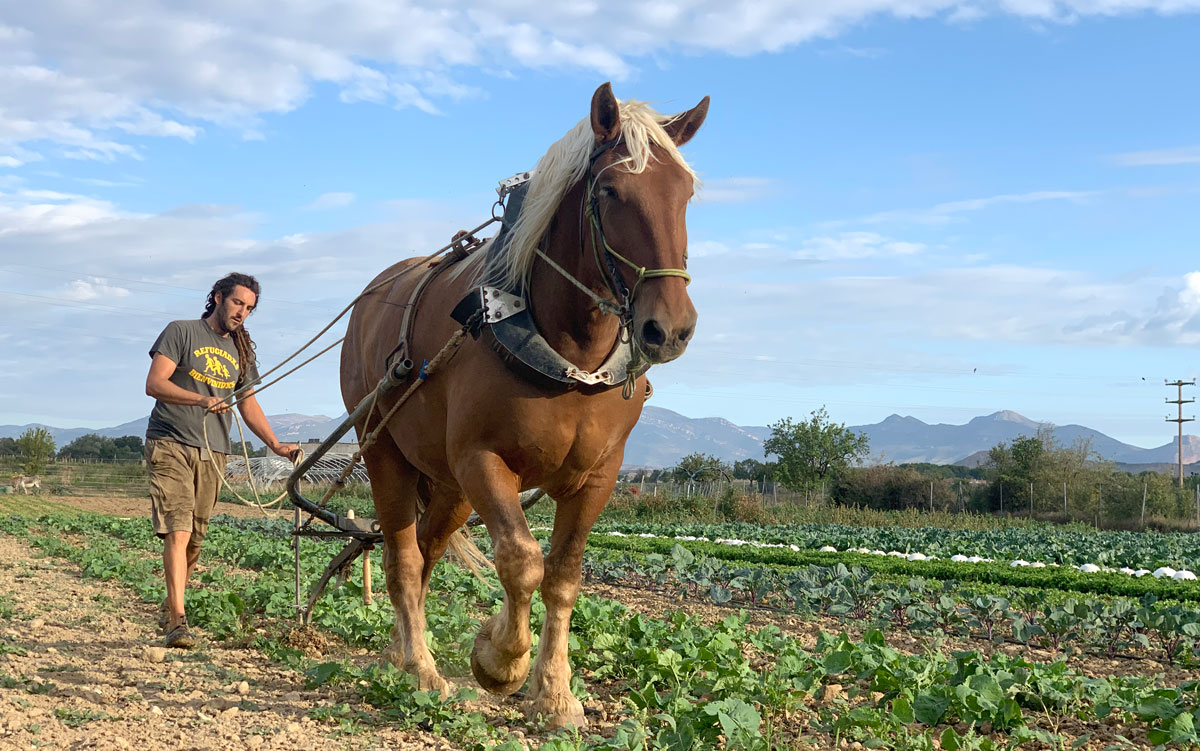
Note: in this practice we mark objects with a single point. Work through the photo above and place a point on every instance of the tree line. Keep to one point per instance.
(1032, 474)
(36, 448)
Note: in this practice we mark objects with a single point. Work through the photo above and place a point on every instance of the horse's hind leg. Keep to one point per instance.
(394, 487)
(500, 659)
(446, 510)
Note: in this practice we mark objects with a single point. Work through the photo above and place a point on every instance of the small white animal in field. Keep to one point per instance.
(25, 483)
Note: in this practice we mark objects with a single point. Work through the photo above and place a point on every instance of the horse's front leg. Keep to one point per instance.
(500, 659)
(550, 690)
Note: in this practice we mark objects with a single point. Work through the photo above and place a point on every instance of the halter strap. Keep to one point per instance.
(600, 241)
(613, 278)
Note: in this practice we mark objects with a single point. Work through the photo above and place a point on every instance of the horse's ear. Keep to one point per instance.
(606, 115)
(683, 126)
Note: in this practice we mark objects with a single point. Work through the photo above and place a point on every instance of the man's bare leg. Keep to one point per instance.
(178, 562)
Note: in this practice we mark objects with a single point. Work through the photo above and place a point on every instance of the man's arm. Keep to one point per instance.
(252, 413)
(159, 386)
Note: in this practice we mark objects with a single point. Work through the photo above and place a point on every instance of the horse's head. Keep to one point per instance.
(640, 201)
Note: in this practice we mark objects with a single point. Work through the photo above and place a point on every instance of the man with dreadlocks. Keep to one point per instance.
(193, 369)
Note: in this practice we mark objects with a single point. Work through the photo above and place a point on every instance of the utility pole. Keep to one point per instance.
(1142, 526)
(1180, 401)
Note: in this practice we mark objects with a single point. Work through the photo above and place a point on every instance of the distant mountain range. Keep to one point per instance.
(287, 427)
(663, 437)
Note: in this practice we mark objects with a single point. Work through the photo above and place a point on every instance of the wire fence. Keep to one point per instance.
(1127, 502)
(98, 478)
(768, 492)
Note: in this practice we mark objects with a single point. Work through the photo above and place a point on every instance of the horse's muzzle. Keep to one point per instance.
(660, 343)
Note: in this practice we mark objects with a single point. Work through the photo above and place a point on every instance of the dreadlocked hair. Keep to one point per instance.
(241, 337)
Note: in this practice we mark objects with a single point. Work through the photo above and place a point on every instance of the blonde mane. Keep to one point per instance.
(563, 165)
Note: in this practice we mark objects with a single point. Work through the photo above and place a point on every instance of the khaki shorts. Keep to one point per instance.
(183, 487)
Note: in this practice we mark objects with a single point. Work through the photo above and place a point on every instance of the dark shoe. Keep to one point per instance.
(179, 637)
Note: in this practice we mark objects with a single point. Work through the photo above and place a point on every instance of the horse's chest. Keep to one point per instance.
(573, 442)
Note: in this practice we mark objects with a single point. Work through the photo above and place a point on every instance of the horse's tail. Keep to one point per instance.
(462, 548)
(468, 555)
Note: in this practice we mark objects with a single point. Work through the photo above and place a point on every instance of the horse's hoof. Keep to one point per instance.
(437, 683)
(557, 712)
(496, 673)
(428, 678)
(427, 681)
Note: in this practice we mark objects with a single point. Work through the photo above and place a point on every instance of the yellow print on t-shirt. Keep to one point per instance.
(215, 373)
(216, 351)
(210, 381)
(213, 366)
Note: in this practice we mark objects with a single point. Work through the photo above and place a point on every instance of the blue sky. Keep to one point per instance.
(932, 208)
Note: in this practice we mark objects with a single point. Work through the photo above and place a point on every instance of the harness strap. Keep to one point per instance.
(603, 303)
(464, 244)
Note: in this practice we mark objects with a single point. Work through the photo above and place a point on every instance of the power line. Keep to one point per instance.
(890, 368)
(73, 275)
(118, 309)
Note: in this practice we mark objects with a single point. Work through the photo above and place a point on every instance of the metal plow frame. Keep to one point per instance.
(363, 533)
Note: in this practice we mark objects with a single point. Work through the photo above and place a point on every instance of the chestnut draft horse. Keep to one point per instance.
(596, 258)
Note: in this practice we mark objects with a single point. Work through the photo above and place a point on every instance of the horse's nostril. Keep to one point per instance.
(684, 334)
(653, 334)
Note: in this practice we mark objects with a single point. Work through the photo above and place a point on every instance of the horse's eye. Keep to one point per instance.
(608, 191)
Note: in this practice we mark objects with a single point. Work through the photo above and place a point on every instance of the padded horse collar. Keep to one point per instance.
(507, 318)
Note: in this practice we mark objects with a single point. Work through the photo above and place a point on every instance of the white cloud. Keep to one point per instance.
(331, 201)
(1161, 157)
(734, 189)
(854, 245)
(102, 282)
(88, 78)
(944, 213)
(1173, 321)
(81, 290)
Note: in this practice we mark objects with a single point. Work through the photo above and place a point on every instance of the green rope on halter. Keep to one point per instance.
(642, 271)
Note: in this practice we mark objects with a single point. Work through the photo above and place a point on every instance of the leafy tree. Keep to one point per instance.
(813, 450)
(943, 471)
(245, 446)
(8, 447)
(89, 446)
(753, 469)
(129, 448)
(36, 447)
(96, 447)
(701, 468)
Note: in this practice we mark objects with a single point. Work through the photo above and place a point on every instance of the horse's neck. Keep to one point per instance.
(565, 316)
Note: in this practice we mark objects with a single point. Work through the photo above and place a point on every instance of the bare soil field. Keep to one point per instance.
(102, 682)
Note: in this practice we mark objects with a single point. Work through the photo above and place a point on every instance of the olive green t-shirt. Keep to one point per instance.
(205, 364)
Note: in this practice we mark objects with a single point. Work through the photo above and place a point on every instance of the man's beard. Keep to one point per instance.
(226, 323)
